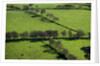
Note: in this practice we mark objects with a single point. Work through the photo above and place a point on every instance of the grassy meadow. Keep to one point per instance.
(20, 21)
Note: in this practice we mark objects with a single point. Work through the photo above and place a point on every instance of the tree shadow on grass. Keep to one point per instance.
(52, 21)
(52, 50)
(44, 39)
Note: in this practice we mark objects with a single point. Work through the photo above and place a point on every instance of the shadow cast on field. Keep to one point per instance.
(52, 50)
(51, 21)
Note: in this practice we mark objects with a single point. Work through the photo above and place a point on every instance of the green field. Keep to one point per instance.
(20, 21)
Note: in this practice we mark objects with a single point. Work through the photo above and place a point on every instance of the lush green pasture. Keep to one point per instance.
(75, 19)
(20, 21)
(36, 50)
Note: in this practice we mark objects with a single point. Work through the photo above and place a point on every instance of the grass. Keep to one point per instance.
(20, 21)
(35, 50)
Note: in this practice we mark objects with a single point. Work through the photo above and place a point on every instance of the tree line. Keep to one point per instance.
(35, 9)
(74, 6)
(58, 47)
(45, 34)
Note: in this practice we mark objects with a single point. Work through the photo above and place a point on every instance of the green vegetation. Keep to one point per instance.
(72, 24)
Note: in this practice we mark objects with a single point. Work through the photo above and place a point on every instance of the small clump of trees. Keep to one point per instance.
(87, 51)
(40, 11)
(79, 34)
(12, 7)
(12, 35)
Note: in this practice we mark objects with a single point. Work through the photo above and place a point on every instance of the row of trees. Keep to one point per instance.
(32, 34)
(57, 45)
(35, 9)
(12, 7)
(69, 6)
(45, 34)
(75, 6)
(42, 11)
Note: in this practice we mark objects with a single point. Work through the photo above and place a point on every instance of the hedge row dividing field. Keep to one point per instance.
(20, 21)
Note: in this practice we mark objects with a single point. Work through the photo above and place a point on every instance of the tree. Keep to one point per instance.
(43, 11)
(14, 34)
(70, 34)
(51, 15)
(65, 51)
(30, 5)
(59, 45)
(45, 34)
(25, 7)
(51, 41)
(55, 18)
(42, 34)
(8, 35)
(24, 35)
(71, 57)
(55, 33)
(74, 36)
(36, 9)
(11, 6)
(63, 33)
(50, 33)
(89, 35)
(80, 33)
(33, 34)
